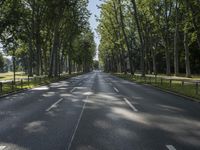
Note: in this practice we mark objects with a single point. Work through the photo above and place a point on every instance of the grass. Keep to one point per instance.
(177, 86)
(34, 82)
(9, 75)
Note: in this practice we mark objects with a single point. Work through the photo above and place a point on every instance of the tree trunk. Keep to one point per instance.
(70, 64)
(176, 56)
(166, 37)
(142, 63)
(30, 59)
(125, 37)
(53, 64)
(14, 67)
(187, 59)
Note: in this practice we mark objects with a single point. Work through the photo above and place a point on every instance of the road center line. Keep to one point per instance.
(170, 147)
(54, 105)
(129, 103)
(79, 119)
(2, 147)
(116, 89)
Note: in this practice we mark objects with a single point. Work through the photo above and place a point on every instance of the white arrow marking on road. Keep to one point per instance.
(116, 89)
(170, 147)
(129, 103)
(54, 105)
(2, 147)
(73, 90)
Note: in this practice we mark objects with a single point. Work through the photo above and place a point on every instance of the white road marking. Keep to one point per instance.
(129, 103)
(116, 89)
(170, 147)
(73, 90)
(80, 84)
(2, 147)
(54, 105)
(79, 119)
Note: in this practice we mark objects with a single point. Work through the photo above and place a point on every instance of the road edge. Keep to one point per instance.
(161, 89)
(27, 89)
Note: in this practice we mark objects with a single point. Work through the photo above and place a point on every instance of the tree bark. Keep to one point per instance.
(142, 63)
(176, 52)
(187, 59)
(125, 37)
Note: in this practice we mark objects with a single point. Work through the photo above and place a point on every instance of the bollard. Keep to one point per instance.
(182, 84)
(170, 83)
(21, 83)
(12, 86)
(1, 87)
(28, 80)
(155, 79)
(35, 80)
(197, 88)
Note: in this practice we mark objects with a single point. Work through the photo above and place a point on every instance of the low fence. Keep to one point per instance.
(184, 84)
(10, 86)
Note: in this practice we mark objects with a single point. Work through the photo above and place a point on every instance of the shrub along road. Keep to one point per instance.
(97, 111)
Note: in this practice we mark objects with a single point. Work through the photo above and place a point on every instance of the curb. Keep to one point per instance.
(15, 92)
(174, 93)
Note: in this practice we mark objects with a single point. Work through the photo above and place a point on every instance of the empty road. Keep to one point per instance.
(97, 111)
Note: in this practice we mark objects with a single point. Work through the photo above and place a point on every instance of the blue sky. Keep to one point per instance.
(93, 23)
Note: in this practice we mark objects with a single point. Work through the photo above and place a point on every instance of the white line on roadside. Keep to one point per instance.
(129, 103)
(170, 147)
(2, 147)
(72, 90)
(54, 105)
(116, 89)
(79, 119)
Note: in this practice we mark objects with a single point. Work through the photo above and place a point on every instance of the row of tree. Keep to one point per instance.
(152, 36)
(47, 37)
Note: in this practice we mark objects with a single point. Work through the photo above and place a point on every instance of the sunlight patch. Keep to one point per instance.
(41, 88)
(34, 127)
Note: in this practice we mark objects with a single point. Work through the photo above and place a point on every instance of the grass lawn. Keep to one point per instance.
(6, 88)
(9, 75)
(187, 89)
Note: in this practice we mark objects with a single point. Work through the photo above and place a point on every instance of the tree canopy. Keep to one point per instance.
(150, 36)
(47, 37)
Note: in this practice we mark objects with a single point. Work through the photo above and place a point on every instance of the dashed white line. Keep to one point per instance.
(129, 103)
(116, 89)
(80, 84)
(54, 105)
(2, 147)
(170, 147)
(72, 90)
(79, 119)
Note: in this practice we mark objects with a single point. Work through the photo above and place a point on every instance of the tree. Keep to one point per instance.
(2, 63)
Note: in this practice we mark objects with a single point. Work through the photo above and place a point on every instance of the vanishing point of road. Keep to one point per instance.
(97, 111)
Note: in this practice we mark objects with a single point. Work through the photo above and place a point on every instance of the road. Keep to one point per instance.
(97, 111)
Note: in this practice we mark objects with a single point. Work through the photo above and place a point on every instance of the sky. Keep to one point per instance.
(93, 23)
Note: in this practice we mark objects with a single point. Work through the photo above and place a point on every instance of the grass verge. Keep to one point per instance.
(188, 89)
(9, 87)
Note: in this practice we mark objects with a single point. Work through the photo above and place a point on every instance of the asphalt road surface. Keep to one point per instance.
(97, 111)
